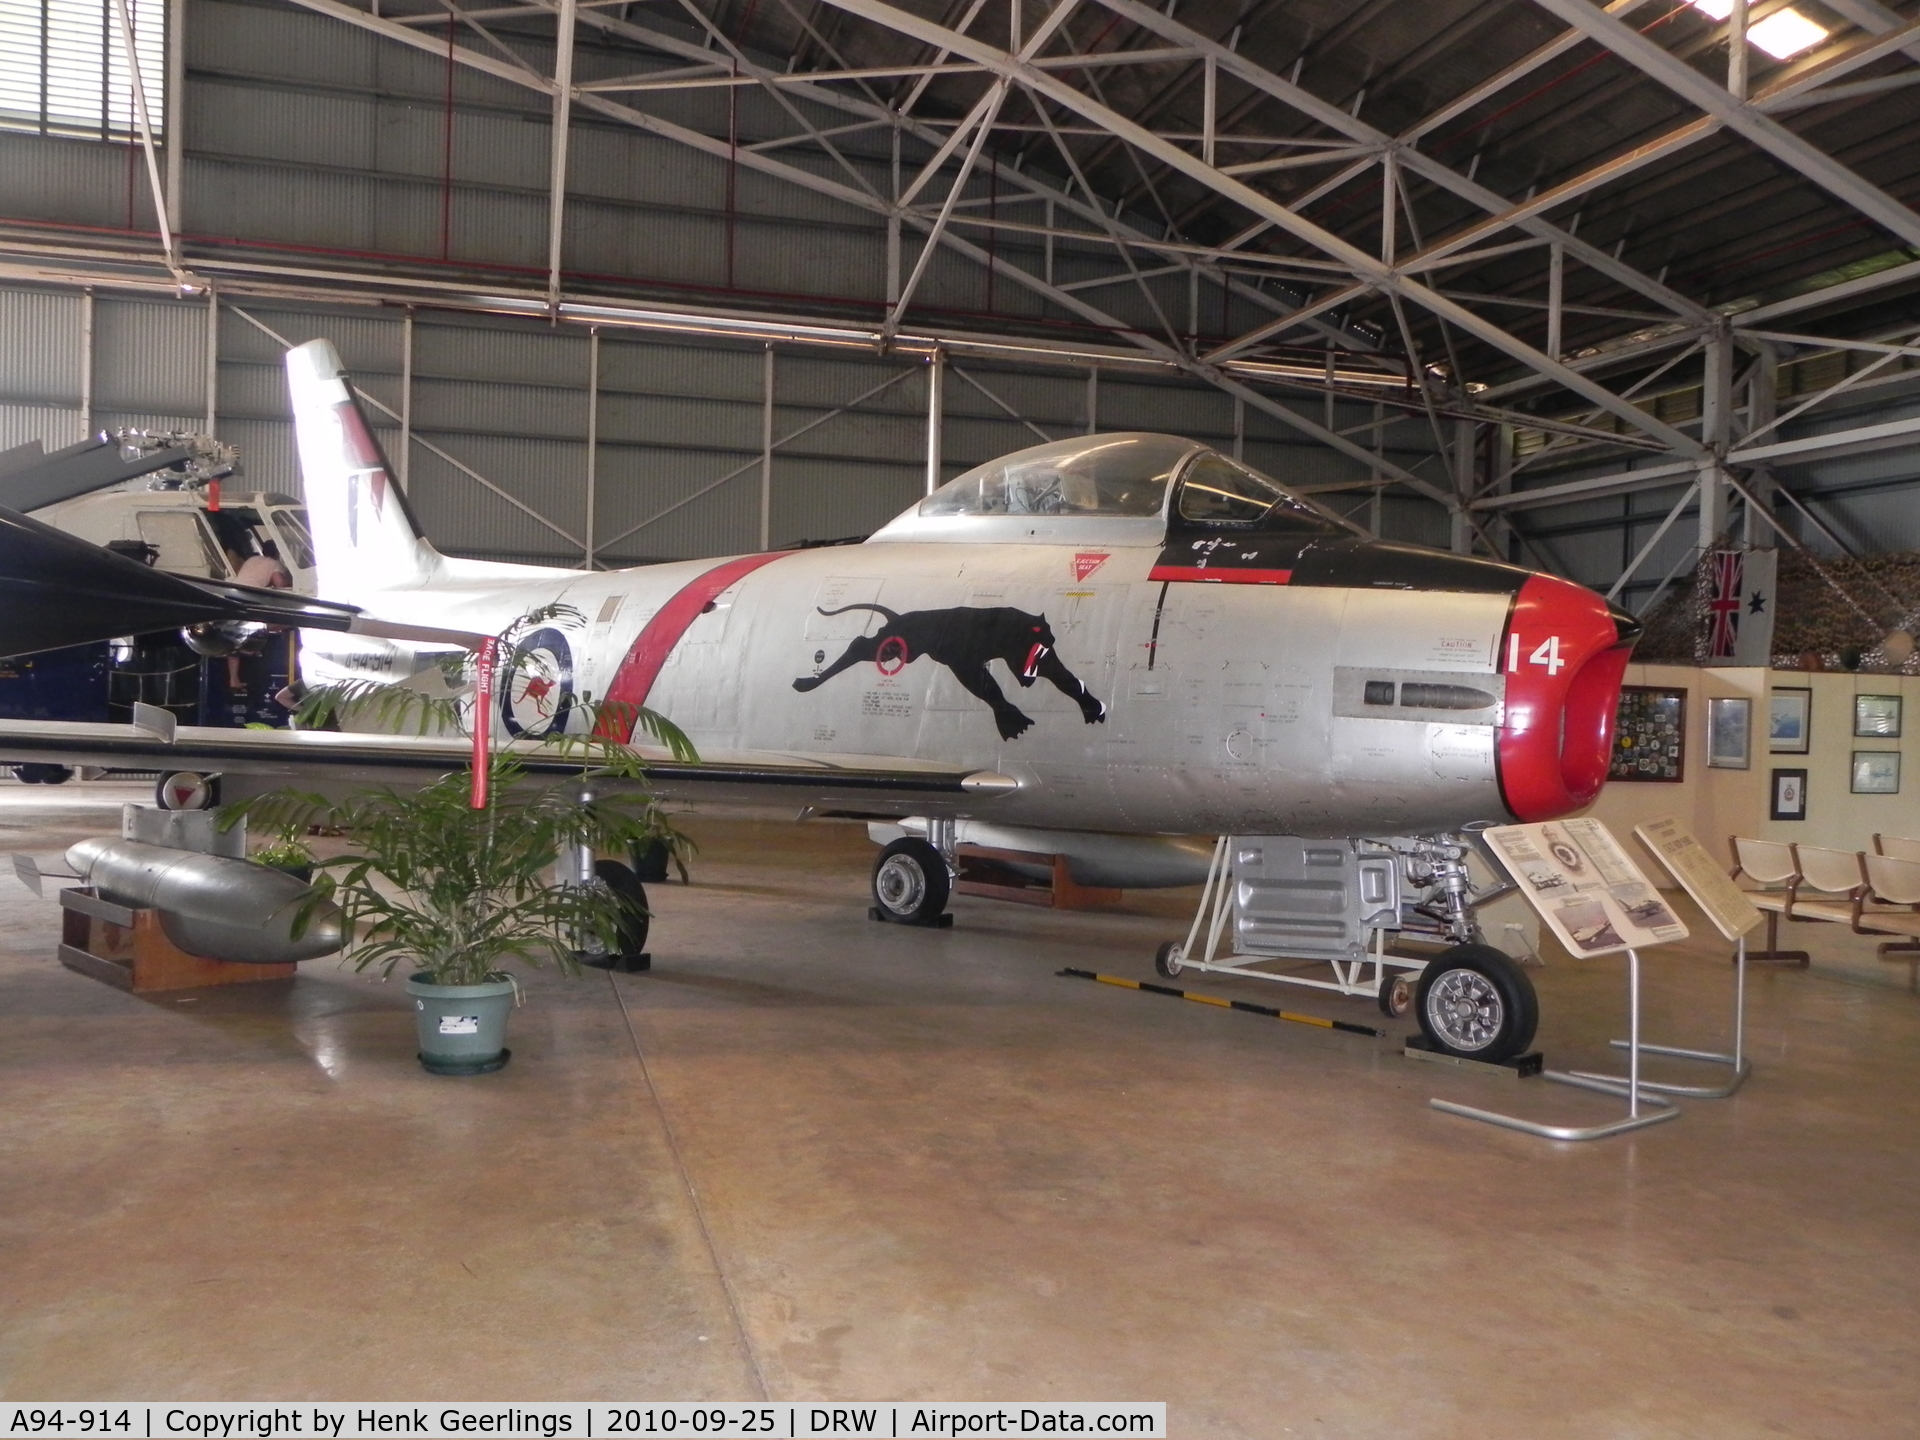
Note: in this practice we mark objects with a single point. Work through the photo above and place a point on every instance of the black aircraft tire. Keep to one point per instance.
(41, 774)
(910, 883)
(1475, 1002)
(635, 920)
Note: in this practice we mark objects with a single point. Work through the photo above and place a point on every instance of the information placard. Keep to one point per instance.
(1711, 888)
(1589, 892)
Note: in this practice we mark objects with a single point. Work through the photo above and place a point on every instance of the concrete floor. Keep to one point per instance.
(813, 1157)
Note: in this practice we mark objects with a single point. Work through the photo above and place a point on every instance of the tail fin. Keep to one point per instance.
(364, 535)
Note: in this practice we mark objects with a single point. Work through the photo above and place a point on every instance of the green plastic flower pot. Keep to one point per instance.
(463, 1028)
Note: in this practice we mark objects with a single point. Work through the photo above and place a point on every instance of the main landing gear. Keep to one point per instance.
(913, 878)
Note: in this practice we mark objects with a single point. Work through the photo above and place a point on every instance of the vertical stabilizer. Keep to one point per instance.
(364, 536)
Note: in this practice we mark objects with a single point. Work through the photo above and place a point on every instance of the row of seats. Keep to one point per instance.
(1876, 893)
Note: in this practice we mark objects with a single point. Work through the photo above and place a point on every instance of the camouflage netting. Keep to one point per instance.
(1816, 614)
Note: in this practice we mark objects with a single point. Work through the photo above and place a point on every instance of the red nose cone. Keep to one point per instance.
(1564, 656)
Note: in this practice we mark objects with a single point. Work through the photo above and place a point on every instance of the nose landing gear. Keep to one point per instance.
(1474, 1002)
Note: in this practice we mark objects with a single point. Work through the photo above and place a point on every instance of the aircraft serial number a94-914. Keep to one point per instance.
(1119, 633)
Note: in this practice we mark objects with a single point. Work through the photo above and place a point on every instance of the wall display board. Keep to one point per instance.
(1703, 878)
(1787, 796)
(1876, 772)
(1650, 735)
(1729, 731)
(1587, 889)
(1876, 717)
(1789, 719)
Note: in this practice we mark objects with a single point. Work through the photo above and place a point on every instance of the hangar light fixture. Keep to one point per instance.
(1783, 34)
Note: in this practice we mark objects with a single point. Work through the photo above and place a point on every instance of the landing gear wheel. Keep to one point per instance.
(42, 774)
(1396, 994)
(1167, 959)
(910, 883)
(184, 790)
(1475, 1002)
(635, 920)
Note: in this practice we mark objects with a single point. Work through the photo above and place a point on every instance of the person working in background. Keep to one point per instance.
(264, 571)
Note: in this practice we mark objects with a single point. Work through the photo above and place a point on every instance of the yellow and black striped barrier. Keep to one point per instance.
(1246, 1005)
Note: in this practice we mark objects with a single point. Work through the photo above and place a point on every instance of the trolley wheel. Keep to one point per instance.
(1396, 994)
(910, 883)
(184, 790)
(635, 919)
(1167, 959)
(1475, 1002)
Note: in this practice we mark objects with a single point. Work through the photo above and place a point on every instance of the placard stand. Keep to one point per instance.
(1642, 1109)
(1734, 915)
(1738, 1059)
(1596, 901)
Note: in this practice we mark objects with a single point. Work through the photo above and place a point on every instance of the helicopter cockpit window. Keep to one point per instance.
(1087, 475)
(1217, 491)
(294, 536)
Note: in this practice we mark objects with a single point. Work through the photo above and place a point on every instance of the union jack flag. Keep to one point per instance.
(1723, 610)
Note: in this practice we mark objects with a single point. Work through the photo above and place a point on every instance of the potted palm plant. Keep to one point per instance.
(455, 893)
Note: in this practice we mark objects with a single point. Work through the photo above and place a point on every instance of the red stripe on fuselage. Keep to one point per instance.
(633, 681)
(1220, 577)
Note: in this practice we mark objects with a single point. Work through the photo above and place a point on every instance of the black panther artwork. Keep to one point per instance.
(965, 640)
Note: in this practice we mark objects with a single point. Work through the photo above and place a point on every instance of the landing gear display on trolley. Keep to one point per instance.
(1282, 899)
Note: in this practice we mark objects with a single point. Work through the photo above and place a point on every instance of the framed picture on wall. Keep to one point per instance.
(1650, 735)
(1729, 731)
(1789, 720)
(1876, 717)
(1876, 772)
(1788, 795)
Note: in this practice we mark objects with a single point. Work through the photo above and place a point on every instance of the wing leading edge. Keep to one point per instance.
(279, 757)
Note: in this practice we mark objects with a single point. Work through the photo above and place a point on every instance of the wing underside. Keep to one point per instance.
(316, 758)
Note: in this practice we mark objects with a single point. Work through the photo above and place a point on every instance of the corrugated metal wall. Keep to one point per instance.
(508, 400)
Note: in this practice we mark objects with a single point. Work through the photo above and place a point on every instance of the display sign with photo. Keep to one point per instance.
(1590, 893)
(1650, 735)
(1790, 720)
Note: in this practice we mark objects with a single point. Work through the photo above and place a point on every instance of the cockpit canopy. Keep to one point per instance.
(1124, 478)
(1087, 475)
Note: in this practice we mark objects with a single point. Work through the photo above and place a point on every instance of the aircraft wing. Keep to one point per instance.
(311, 758)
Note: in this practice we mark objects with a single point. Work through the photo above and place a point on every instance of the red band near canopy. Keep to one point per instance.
(633, 681)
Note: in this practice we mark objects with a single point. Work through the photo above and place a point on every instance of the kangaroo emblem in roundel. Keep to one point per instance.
(966, 640)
